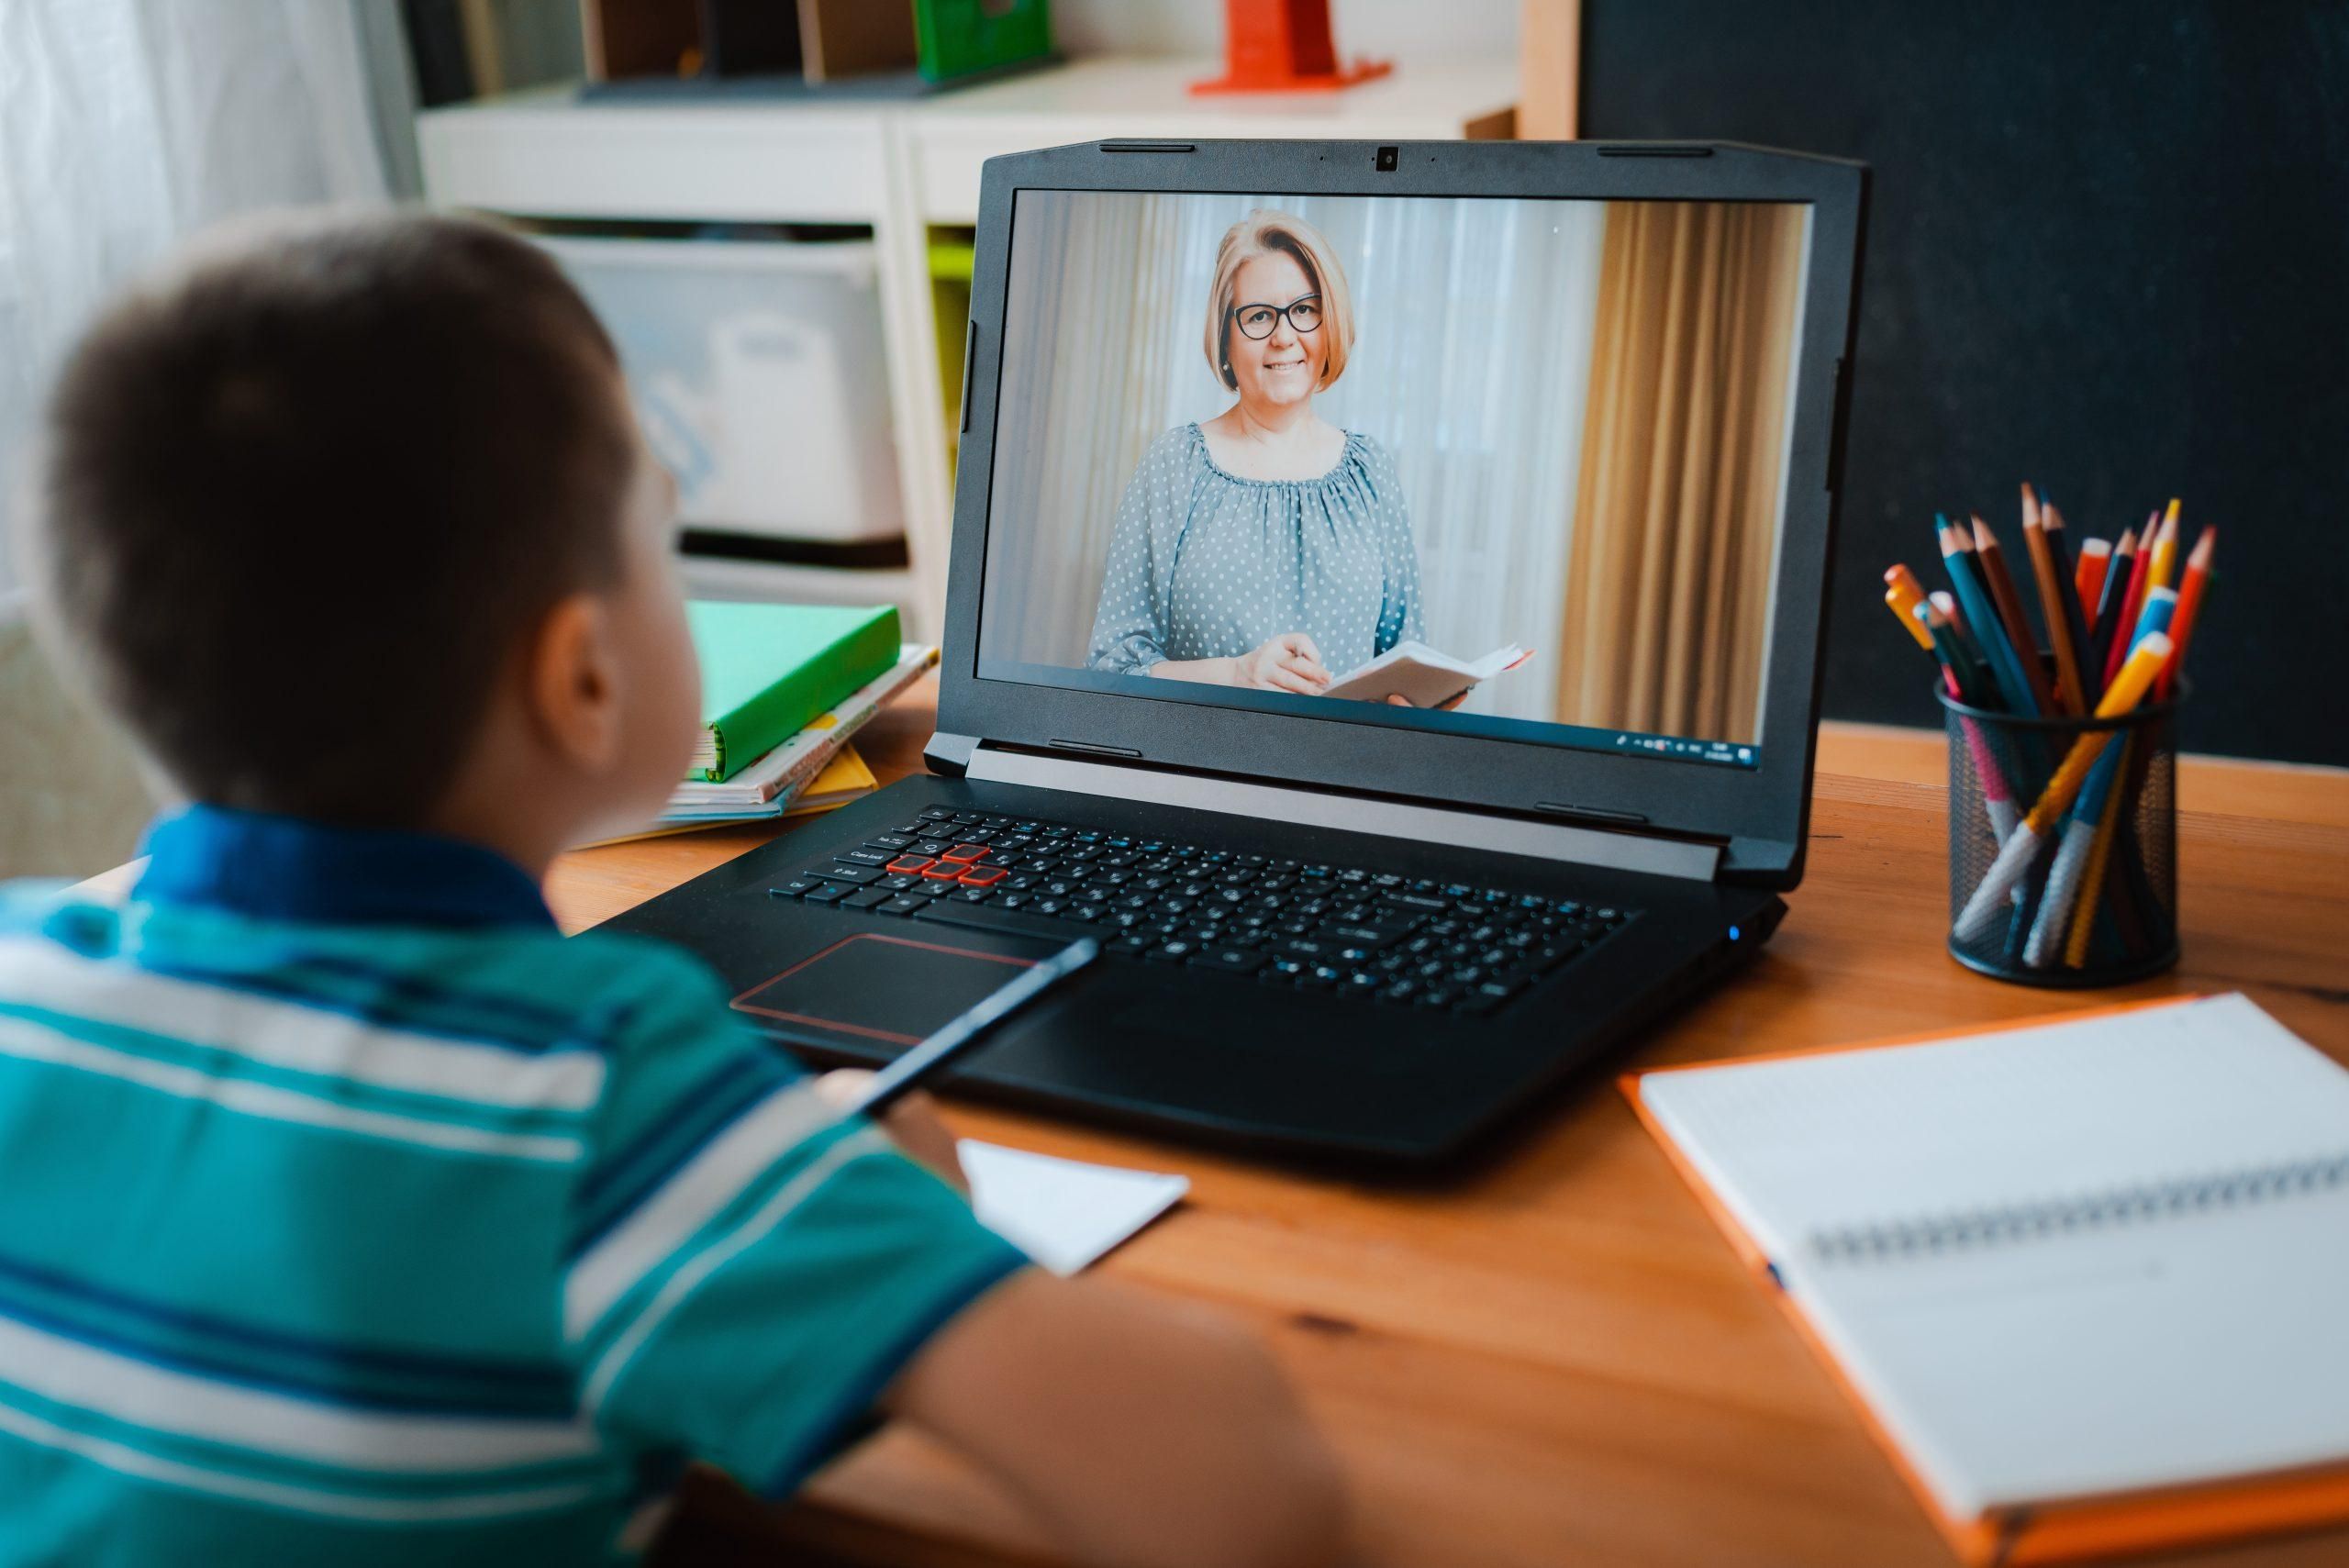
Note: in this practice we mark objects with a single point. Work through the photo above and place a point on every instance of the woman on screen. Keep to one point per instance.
(1265, 547)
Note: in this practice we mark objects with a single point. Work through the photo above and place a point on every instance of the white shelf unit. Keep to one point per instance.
(901, 167)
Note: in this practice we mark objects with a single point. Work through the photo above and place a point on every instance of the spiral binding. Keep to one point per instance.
(2058, 1216)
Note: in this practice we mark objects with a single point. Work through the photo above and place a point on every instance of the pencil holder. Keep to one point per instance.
(2089, 898)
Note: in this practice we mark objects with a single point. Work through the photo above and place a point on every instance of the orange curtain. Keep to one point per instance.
(1678, 506)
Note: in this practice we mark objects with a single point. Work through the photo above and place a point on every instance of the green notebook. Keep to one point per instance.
(766, 670)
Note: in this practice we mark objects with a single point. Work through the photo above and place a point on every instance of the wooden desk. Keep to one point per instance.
(1554, 1358)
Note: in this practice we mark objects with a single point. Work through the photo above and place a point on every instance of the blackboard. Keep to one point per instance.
(2110, 253)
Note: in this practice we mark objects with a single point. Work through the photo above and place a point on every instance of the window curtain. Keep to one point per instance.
(125, 124)
(1473, 349)
(1668, 586)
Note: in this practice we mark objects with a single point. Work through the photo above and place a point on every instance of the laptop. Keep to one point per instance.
(1245, 423)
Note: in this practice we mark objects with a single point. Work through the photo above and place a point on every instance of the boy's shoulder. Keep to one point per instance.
(533, 988)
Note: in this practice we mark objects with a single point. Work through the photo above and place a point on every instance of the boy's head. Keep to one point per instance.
(350, 518)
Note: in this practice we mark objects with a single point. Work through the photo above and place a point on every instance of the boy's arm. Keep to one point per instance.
(1143, 1432)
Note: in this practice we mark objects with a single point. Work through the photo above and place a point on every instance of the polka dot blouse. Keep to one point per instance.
(1204, 564)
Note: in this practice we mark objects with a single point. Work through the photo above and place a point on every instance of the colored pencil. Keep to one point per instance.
(1997, 798)
(2131, 599)
(2021, 851)
(2092, 883)
(1970, 659)
(2006, 670)
(1993, 563)
(2067, 593)
(2115, 586)
(2067, 875)
(2071, 695)
(2189, 605)
(2163, 572)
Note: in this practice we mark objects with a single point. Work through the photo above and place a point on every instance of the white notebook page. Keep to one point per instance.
(2174, 1330)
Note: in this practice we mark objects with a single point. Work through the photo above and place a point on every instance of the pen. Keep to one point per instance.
(962, 1032)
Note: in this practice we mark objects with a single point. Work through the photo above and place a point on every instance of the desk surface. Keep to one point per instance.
(1554, 1358)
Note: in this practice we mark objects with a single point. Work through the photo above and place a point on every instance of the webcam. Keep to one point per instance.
(1387, 158)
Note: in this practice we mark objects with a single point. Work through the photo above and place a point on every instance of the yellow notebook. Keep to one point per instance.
(845, 778)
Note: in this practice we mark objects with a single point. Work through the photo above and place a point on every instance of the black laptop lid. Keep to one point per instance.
(1226, 402)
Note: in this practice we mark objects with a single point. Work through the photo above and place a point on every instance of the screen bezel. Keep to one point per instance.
(1759, 814)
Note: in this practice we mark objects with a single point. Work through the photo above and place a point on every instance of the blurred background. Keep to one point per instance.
(2105, 253)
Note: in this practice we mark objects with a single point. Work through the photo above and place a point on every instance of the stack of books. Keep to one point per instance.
(783, 687)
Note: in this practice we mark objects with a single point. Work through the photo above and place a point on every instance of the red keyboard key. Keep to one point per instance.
(983, 876)
(905, 865)
(945, 871)
(965, 854)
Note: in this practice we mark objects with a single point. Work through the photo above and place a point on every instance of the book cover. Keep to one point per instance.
(798, 759)
(767, 669)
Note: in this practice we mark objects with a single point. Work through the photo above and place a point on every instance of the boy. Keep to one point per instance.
(348, 1213)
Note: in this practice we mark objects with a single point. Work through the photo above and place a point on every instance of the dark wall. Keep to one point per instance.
(2109, 254)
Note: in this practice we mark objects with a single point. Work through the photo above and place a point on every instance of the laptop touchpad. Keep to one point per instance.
(875, 989)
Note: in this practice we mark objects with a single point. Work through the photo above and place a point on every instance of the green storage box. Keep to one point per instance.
(963, 37)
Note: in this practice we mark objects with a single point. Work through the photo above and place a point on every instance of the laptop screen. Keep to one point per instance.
(1355, 456)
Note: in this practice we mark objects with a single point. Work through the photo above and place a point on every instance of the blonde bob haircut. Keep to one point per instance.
(1265, 233)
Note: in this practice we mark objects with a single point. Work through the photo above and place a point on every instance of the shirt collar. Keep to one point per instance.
(290, 868)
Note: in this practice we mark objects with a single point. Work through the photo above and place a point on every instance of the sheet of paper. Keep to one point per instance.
(1064, 1214)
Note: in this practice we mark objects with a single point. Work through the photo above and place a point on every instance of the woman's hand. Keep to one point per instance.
(1396, 699)
(1289, 663)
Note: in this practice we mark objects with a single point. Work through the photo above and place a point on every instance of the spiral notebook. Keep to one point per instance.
(2088, 1279)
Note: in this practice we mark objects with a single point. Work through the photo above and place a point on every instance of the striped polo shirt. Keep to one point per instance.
(350, 1214)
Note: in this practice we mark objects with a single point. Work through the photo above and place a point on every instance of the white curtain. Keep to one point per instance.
(1471, 362)
(125, 124)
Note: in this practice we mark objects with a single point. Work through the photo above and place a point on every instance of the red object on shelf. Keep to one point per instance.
(1284, 45)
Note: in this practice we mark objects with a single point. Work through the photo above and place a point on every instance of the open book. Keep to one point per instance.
(2084, 1276)
(1422, 676)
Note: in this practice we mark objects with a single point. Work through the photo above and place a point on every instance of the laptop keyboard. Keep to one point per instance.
(1358, 930)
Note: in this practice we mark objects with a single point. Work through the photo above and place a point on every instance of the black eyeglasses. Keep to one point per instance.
(1256, 321)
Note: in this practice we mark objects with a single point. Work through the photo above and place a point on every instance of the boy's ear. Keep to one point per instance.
(572, 682)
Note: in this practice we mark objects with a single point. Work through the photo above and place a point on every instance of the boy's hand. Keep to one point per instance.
(912, 1121)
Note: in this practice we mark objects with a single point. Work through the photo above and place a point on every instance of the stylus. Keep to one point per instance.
(959, 1034)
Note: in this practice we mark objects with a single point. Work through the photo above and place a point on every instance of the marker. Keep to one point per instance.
(2015, 857)
(1904, 593)
(2088, 578)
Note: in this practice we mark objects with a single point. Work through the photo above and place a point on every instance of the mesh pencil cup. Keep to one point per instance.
(2093, 900)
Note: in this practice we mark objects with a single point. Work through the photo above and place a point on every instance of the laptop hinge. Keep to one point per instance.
(1461, 828)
